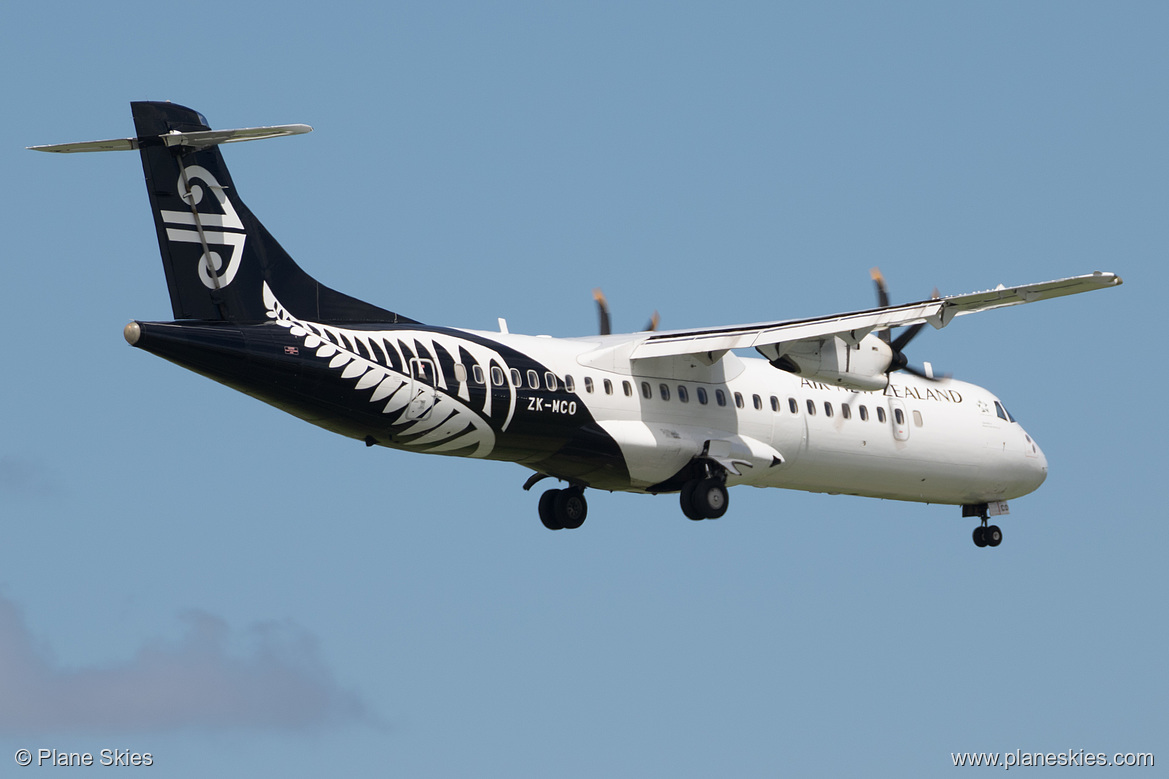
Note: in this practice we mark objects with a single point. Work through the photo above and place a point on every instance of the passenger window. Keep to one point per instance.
(516, 379)
(758, 401)
(460, 373)
(811, 408)
(608, 387)
(864, 412)
(775, 404)
(477, 373)
(646, 391)
(701, 395)
(550, 381)
(588, 381)
(497, 375)
(917, 417)
(739, 399)
(627, 388)
(664, 390)
(533, 380)
(845, 411)
(827, 409)
(880, 414)
(899, 416)
(720, 397)
(791, 404)
(683, 395)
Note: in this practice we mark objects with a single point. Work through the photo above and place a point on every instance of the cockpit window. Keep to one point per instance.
(1001, 410)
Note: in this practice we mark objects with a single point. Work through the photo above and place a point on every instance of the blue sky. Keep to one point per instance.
(190, 573)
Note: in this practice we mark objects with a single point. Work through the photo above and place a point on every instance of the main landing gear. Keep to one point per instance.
(704, 498)
(563, 509)
(984, 535)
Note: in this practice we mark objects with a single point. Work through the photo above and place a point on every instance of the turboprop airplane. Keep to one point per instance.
(833, 405)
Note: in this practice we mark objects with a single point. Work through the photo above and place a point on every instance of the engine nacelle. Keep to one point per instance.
(861, 366)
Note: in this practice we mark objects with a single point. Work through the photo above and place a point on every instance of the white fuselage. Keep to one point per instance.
(941, 441)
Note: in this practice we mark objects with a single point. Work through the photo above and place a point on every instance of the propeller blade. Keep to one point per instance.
(900, 362)
(910, 333)
(603, 310)
(882, 290)
(882, 298)
(652, 325)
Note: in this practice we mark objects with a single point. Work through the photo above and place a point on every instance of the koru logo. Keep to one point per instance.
(224, 229)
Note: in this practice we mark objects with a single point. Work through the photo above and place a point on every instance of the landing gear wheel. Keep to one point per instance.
(686, 498)
(709, 498)
(571, 508)
(993, 536)
(980, 536)
(548, 510)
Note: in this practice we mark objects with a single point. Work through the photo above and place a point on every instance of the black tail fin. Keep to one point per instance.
(216, 254)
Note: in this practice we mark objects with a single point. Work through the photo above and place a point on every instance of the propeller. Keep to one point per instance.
(603, 310)
(897, 345)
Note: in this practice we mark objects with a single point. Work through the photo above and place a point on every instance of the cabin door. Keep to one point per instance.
(423, 390)
(899, 420)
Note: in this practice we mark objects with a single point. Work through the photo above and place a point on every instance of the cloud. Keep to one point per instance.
(279, 683)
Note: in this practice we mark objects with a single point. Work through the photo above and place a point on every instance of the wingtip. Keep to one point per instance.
(1111, 279)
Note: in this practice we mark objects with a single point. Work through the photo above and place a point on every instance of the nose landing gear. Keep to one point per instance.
(984, 535)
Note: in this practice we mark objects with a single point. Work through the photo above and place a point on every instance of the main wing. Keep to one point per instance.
(775, 338)
(837, 349)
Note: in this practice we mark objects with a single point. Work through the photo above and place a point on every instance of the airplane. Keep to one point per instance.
(830, 405)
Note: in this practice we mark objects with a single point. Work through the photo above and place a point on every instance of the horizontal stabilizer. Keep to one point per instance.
(199, 139)
(114, 144)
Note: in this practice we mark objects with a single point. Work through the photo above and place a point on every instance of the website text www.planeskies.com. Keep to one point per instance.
(1070, 757)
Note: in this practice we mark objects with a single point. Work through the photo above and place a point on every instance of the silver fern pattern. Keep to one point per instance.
(428, 413)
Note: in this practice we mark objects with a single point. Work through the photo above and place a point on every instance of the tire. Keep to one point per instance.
(980, 536)
(548, 510)
(686, 498)
(710, 498)
(571, 508)
(994, 536)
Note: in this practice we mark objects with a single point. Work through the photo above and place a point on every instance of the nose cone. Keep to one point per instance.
(1035, 463)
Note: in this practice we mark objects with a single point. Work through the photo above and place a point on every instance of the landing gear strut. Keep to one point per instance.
(563, 509)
